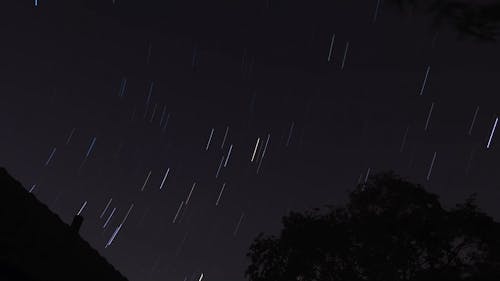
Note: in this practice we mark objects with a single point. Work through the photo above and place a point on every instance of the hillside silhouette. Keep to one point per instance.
(36, 245)
(390, 230)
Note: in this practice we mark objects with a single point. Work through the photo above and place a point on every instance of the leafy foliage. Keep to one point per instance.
(469, 18)
(390, 229)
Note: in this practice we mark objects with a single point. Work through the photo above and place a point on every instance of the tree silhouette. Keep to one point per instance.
(390, 229)
(469, 17)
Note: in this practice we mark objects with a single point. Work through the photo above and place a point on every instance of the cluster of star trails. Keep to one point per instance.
(160, 173)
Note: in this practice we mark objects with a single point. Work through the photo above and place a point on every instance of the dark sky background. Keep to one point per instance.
(259, 68)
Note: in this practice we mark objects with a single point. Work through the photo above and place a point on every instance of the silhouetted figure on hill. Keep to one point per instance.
(390, 230)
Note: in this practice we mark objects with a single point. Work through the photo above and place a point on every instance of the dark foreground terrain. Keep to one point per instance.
(36, 245)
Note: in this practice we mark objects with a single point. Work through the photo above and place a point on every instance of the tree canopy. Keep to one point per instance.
(390, 229)
(473, 18)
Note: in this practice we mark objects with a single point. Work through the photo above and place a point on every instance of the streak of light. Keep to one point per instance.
(492, 132)
(148, 99)
(70, 135)
(220, 194)
(367, 174)
(290, 133)
(178, 211)
(224, 139)
(81, 209)
(123, 87)
(432, 165)
(425, 79)
(376, 11)
(330, 53)
(128, 212)
(360, 178)
(263, 153)
(163, 114)
(81, 165)
(473, 120)
(255, 149)
(50, 157)
(113, 236)
(404, 139)
(201, 277)
(239, 224)
(220, 165)
(146, 181)
(90, 147)
(429, 117)
(345, 55)
(109, 218)
(106, 208)
(228, 155)
(164, 178)
(190, 192)
(209, 139)
(166, 122)
(32, 188)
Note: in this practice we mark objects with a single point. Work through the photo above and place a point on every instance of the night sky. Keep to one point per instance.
(158, 107)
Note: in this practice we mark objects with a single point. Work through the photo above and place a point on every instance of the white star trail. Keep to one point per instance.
(164, 178)
(220, 194)
(109, 218)
(146, 181)
(290, 134)
(225, 137)
(90, 147)
(220, 166)
(263, 153)
(228, 155)
(404, 139)
(429, 117)
(50, 157)
(70, 136)
(178, 211)
(492, 132)
(473, 120)
(367, 174)
(375, 14)
(81, 209)
(190, 192)
(209, 139)
(425, 80)
(432, 165)
(330, 53)
(106, 208)
(239, 224)
(255, 149)
(345, 55)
